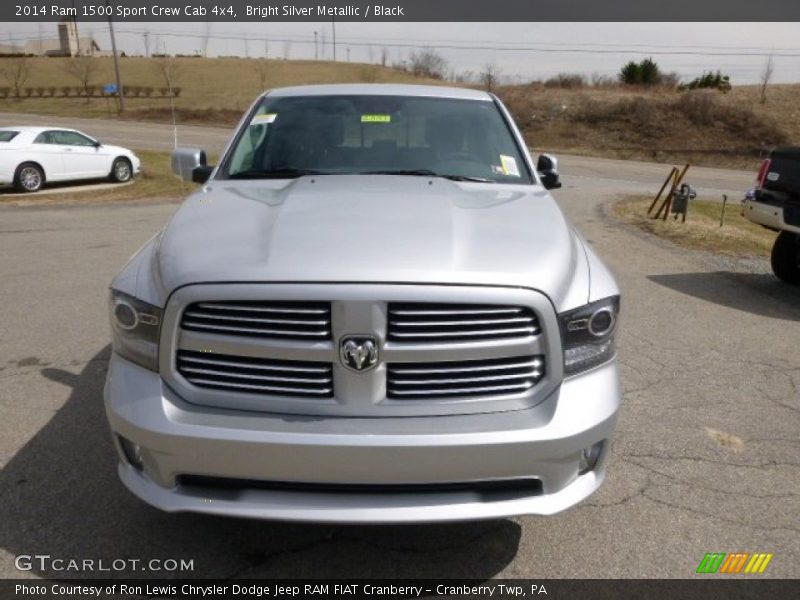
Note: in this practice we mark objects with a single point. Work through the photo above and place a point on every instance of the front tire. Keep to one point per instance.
(28, 178)
(786, 257)
(121, 170)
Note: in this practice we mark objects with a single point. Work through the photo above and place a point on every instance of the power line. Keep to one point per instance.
(646, 50)
(550, 48)
(412, 41)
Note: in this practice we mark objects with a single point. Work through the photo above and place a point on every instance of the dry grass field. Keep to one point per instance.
(656, 124)
(701, 231)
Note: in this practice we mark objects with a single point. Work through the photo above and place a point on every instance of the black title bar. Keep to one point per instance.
(402, 10)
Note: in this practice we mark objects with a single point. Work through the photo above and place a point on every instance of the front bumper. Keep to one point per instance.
(769, 215)
(178, 439)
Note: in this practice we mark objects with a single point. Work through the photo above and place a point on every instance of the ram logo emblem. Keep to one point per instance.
(359, 353)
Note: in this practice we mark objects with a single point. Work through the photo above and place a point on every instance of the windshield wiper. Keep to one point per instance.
(274, 173)
(428, 173)
(468, 178)
(412, 172)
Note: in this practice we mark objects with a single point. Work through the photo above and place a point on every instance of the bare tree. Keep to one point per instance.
(464, 78)
(766, 76)
(384, 56)
(83, 69)
(490, 76)
(206, 36)
(370, 53)
(167, 68)
(16, 72)
(287, 49)
(428, 63)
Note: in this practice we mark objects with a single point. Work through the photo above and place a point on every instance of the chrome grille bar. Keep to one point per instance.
(306, 321)
(435, 323)
(222, 372)
(464, 379)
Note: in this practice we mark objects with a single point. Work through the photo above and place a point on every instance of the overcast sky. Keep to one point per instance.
(571, 47)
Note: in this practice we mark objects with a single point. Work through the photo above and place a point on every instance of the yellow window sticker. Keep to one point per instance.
(264, 119)
(376, 118)
(509, 165)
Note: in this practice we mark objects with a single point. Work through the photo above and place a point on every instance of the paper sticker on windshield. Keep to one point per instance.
(376, 118)
(509, 165)
(264, 119)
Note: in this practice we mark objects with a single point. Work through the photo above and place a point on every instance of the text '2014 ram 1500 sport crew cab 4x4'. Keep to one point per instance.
(372, 311)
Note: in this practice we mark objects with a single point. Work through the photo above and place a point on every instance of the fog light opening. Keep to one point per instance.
(589, 457)
(132, 452)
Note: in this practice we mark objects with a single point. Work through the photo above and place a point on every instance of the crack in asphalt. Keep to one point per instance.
(696, 485)
(712, 461)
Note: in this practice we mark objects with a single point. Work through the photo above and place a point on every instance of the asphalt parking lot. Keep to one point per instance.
(705, 458)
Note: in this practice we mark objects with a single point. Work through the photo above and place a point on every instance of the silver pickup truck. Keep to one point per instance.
(371, 311)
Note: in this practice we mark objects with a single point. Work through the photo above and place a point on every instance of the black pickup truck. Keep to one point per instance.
(776, 205)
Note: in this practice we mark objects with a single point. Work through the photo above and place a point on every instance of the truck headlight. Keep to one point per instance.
(587, 334)
(135, 326)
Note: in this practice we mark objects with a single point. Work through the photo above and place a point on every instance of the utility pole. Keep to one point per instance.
(348, 55)
(333, 24)
(120, 95)
(75, 23)
(146, 36)
(316, 53)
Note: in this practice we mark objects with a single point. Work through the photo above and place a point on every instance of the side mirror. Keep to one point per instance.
(97, 144)
(547, 167)
(191, 164)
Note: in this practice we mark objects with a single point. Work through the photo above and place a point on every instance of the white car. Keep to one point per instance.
(33, 156)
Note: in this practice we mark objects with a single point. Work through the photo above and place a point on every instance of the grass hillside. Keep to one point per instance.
(658, 124)
(225, 86)
(663, 125)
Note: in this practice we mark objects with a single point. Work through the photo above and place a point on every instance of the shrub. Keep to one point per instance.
(147, 91)
(699, 107)
(643, 73)
(567, 81)
(428, 63)
(710, 80)
(176, 91)
(4, 92)
(40, 91)
(603, 80)
(28, 92)
(52, 91)
(66, 90)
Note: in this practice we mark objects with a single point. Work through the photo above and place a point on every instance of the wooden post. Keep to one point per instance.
(663, 187)
(665, 206)
(722, 215)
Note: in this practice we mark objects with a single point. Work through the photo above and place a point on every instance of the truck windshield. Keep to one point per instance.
(465, 140)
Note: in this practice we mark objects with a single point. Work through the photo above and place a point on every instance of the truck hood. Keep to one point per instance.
(389, 229)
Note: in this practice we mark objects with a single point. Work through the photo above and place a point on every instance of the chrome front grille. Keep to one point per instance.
(305, 321)
(464, 378)
(435, 323)
(278, 348)
(256, 375)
